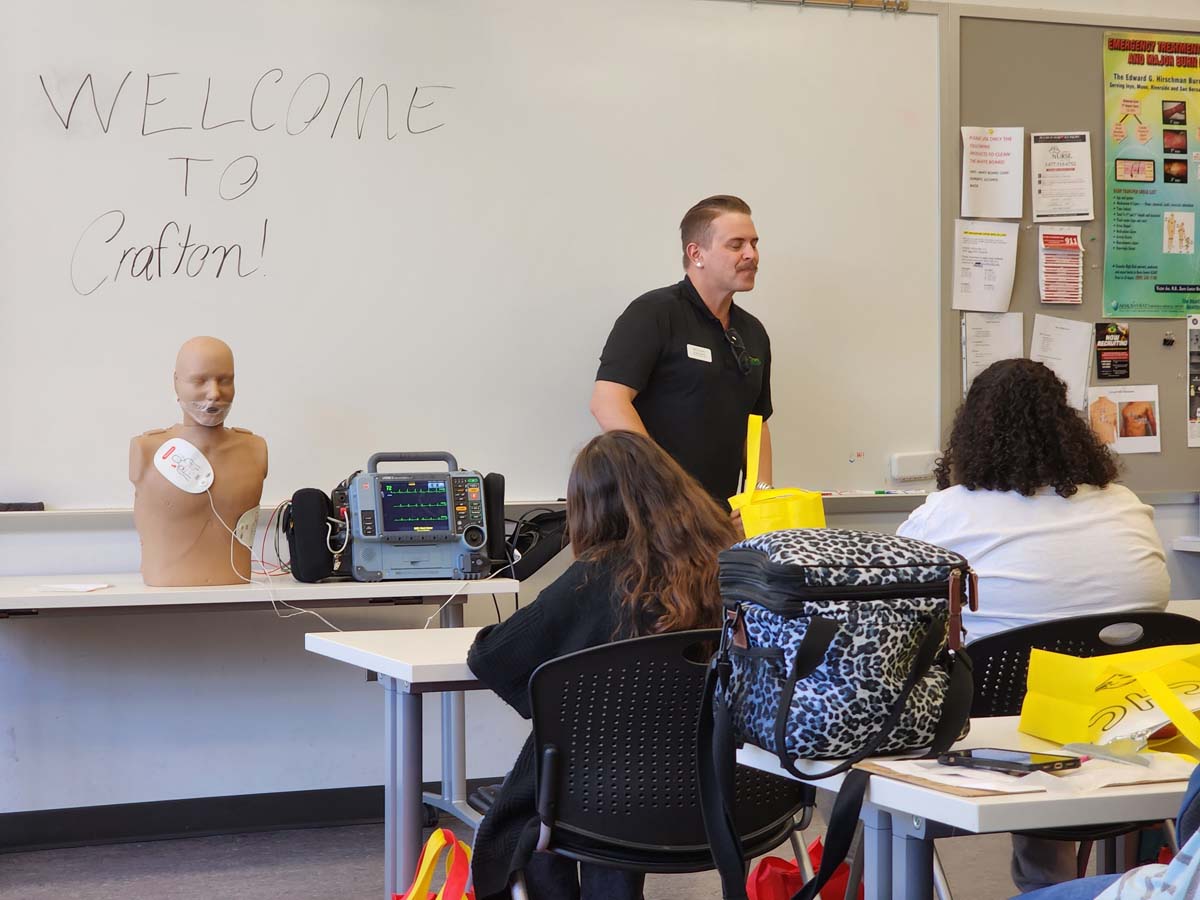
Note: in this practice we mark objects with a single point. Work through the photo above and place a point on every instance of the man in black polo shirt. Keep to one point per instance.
(685, 365)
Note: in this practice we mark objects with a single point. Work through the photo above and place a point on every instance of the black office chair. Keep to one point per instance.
(615, 731)
(1001, 667)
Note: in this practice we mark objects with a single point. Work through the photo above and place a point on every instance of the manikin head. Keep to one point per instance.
(720, 245)
(204, 381)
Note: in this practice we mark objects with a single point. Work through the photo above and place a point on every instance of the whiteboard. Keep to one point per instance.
(437, 265)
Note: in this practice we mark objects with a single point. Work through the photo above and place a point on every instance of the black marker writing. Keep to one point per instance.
(149, 103)
(317, 112)
(187, 161)
(248, 163)
(91, 86)
(413, 104)
(362, 116)
(254, 96)
(150, 261)
(204, 112)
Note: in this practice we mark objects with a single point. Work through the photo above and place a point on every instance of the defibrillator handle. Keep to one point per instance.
(421, 456)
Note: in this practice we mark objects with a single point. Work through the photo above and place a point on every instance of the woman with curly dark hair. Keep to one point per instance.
(1027, 493)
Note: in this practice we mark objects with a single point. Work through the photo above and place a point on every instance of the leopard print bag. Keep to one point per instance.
(882, 606)
(837, 645)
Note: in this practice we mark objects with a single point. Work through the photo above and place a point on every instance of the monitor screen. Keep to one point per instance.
(415, 507)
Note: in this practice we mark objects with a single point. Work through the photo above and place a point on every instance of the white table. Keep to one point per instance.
(19, 594)
(410, 664)
(19, 597)
(901, 819)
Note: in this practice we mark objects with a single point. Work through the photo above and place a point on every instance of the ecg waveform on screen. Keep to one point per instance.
(415, 506)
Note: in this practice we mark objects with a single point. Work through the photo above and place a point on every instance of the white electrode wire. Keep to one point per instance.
(462, 586)
(275, 602)
(329, 523)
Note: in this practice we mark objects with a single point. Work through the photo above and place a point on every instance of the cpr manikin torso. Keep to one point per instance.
(183, 542)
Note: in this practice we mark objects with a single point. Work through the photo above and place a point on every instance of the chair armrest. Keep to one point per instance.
(547, 794)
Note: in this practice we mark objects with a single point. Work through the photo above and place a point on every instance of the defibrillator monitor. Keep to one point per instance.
(417, 525)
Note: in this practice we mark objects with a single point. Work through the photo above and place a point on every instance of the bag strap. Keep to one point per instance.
(843, 820)
(809, 655)
(715, 761)
(716, 754)
(715, 769)
(1181, 717)
(924, 658)
(753, 449)
(458, 872)
(426, 862)
(839, 832)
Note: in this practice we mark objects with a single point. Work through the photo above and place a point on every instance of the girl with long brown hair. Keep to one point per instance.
(646, 537)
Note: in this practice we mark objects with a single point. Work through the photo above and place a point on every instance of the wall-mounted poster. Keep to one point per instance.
(1112, 350)
(1125, 417)
(1152, 174)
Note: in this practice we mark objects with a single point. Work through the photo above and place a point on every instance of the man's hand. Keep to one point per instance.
(612, 405)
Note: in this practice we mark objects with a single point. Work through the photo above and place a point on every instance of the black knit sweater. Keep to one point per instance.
(579, 610)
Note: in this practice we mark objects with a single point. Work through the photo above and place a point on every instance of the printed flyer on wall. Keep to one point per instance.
(1152, 174)
(1062, 177)
(1112, 350)
(1125, 417)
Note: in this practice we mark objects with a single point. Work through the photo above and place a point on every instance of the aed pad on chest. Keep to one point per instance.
(182, 464)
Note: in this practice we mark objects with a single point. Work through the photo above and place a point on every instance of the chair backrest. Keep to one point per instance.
(1001, 661)
(623, 719)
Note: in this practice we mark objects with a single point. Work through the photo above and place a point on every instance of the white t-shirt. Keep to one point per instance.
(1048, 557)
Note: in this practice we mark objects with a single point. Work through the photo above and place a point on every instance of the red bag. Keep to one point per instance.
(458, 869)
(778, 879)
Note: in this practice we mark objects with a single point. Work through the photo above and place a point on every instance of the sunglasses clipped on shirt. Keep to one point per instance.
(745, 361)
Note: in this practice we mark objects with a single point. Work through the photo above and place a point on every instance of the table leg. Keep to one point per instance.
(454, 739)
(912, 858)
(402, 814)
(877, 853)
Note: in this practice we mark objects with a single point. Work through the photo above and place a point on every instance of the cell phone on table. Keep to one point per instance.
(1014, 762)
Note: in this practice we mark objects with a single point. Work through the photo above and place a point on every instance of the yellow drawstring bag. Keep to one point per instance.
(778, 508)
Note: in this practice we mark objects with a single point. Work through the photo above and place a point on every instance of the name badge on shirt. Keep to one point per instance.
(702, 353)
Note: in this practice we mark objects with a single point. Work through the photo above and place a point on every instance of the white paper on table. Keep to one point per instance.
(1126, 417)
(71, 588)
(1065, 346)
(988, 338)
(985, 258)
(1092, 775)
(993, 171)
(1193, 390)
(1060, 264)
(1061, 175)
(958, 776)
(1101, 773)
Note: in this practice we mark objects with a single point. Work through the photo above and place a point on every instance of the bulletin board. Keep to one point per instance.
(1048, 77)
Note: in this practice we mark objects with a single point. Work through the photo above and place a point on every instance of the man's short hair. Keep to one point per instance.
(696, 226)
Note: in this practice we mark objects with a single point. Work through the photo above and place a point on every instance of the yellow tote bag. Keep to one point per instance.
(1100, 699)
(778, 508)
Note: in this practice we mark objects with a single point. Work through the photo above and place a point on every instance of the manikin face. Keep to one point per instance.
(730, 261)
(204, 381)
